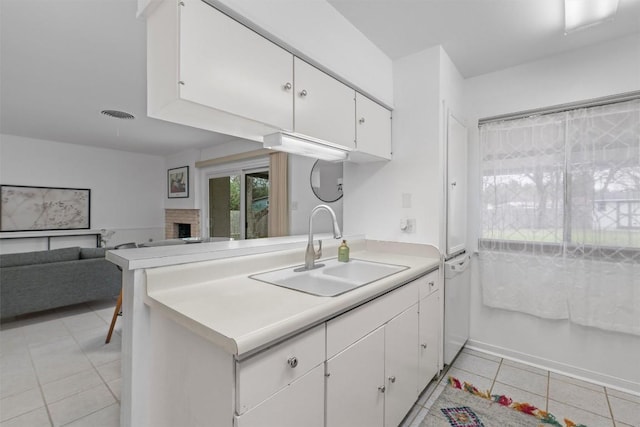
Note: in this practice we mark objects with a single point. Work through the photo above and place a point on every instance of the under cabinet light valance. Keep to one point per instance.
(303, 145)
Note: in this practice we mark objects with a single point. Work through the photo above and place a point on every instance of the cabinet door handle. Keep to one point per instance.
(392, 379)
(303, 93)
(361, 121)
(287, 86)
(292, 362)
(423, 345)
(432, 284)
(381, 389)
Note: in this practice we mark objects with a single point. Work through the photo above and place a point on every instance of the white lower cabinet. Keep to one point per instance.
(364, 367)
(429, 326)
(301, 403)
(400, 365)
(355, 383)
(373, 382)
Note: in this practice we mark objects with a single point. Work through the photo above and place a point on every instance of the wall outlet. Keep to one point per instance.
(408, 225)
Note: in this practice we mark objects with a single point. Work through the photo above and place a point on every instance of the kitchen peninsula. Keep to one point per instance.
(204, 344)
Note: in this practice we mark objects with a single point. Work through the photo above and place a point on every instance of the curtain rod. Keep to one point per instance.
(594, 102)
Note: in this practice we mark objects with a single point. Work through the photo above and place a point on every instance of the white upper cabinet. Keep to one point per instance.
(208, 71)
(227, 66)
(373, 129)
(324, 107)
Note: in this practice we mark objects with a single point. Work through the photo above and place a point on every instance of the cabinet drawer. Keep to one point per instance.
(262, 375)
(299, 404)
(348, 328)
(429, 283)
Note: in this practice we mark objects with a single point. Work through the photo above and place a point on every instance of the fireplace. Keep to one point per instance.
(182, 230)
(181, 223)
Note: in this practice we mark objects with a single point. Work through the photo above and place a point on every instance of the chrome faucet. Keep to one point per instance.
(311, 255)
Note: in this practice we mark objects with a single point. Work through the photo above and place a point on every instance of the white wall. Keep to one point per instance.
(183, 158)
(320, 32)
(375, 194)
(127, 189)
(601, 70)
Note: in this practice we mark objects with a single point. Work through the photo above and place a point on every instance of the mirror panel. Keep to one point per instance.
(326, 180)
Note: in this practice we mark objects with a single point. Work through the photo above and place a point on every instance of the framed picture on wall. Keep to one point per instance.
(178, 182)
(27, 208)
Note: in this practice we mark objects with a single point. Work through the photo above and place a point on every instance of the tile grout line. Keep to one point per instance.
(606, 395)
(35, 371)
(546, 400)
(495, 377)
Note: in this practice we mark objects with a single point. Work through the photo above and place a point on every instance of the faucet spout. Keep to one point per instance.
(311, 255)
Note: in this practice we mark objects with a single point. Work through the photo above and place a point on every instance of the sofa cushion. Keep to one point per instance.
(86, 253)
(40, 257)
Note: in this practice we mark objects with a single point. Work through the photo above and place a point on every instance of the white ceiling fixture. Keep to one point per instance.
(304, 146)
(581, 14)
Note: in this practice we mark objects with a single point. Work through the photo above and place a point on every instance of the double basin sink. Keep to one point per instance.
(331, 279)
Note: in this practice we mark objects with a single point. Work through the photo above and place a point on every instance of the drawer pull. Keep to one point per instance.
(392, 379)
(432, 284)
(292, 361)
(423, 345)
(381, 389)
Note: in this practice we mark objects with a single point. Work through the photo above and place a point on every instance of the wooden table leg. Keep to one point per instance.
(115, 316)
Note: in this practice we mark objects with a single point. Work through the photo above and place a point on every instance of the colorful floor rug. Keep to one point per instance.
(463, 405)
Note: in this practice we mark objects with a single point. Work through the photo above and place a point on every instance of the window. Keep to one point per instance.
(567, 178)
(560, 213)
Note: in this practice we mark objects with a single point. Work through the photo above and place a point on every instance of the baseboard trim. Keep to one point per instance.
(557, 367)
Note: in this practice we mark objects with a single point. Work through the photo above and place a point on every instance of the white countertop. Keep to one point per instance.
(217, 300)
(159, 256)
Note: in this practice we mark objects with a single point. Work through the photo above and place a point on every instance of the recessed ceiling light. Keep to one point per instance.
(118, 114)
(580, 14)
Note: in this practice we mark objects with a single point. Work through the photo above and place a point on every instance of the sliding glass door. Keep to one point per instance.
(238, 204)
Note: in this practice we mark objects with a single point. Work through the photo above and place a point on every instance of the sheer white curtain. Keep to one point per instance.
(561, 216)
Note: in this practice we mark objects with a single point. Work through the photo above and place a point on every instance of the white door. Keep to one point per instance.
(355, 381)
(401, 362)
(324, 107)
(226, 66)
(456, 186)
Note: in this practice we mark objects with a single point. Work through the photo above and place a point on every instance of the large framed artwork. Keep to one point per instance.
(178, 182)
(25, 208)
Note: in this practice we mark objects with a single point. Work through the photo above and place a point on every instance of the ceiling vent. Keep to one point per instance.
(118, 114)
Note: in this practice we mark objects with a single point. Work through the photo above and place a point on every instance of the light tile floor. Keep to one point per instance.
(56, 370)
(565, 397)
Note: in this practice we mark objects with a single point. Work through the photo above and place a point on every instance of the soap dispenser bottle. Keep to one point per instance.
(343, 252)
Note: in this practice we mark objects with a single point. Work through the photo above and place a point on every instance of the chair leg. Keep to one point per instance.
(115, 316)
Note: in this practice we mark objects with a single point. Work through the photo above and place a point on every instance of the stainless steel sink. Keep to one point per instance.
(333, 279)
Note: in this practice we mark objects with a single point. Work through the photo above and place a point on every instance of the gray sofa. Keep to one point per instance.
(35, 281)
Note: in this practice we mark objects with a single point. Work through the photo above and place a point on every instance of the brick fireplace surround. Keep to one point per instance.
(173, 217)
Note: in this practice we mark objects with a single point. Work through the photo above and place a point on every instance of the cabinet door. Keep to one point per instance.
(226, 66)
(456, 186)
(299, 404)
(373, 128)
(324, 107)
(429, 326)
(401, 366)
(355, 383)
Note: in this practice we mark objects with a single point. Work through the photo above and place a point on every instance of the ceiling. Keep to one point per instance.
(63, 61)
